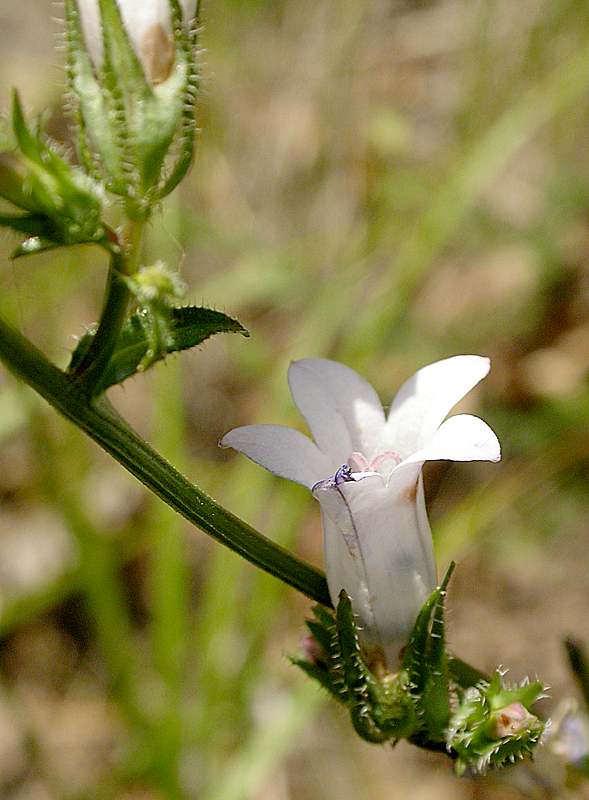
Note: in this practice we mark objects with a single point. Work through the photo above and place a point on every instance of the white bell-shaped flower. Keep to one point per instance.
(365, 468)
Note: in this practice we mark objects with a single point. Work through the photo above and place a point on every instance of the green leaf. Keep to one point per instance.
(186, 51)
(188, 327)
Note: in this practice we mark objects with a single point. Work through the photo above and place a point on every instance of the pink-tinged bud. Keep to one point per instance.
(511, 720)
(149, 26)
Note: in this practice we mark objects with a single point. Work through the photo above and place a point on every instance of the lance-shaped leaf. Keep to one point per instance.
(187, 327)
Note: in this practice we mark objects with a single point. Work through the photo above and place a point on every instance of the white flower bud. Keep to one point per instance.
(511, 720)
(148, 23)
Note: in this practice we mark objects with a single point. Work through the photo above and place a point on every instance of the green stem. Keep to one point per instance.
(114, 312)
(104, 426)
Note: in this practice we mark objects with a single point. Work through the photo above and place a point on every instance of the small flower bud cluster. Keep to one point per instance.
(493, 726)
(156, 284)
(155, 288)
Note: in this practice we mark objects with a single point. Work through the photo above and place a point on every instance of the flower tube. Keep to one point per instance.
(365, 469)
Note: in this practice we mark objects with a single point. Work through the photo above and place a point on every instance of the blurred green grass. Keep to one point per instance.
(386, 183)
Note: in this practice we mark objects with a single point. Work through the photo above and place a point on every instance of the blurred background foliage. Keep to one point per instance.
(385, 182)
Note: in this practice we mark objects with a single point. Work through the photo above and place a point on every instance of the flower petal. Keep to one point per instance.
(281, 450)
(342, 410)
(425, 400)
(388, 566)
(460, 438)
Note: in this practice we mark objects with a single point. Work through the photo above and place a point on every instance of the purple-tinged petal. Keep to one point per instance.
(426, 399)
(342, 410)
(281, 450)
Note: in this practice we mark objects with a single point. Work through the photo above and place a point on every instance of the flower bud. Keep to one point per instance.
(511, 720)
(492, 725)
(149, 26)
(156, 284)
(132, 76)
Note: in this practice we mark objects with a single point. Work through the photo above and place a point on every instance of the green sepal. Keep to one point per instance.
(187, 327)
(167, 112)
(186, 60)
(358, 679)
(426, 662)
(423, 647)
(435, 699)
(99, 115)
